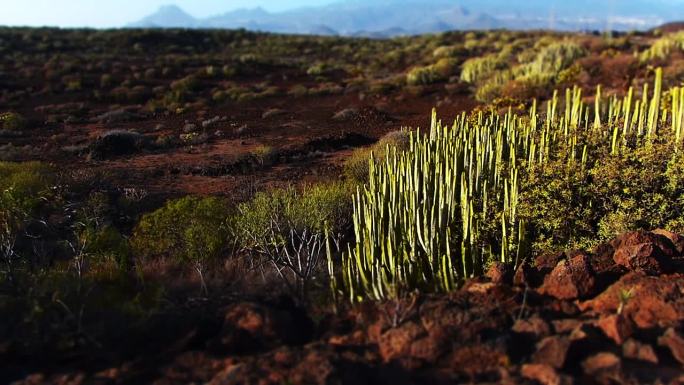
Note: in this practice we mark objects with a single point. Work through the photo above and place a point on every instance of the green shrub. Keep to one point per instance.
(265, 155)
(290, 230)
(25, 186)
(448, 51)
(317, 69)
(104, 245)
(189, 229)
(24, 189)
(477, 69)
(492, 88)
(551, 205)
(570, 74)
(285, 210)
(549, 62)
(663, 47)
(445, 67)
(356, 166)
(12, 121)
(641, 189)
(422, 76)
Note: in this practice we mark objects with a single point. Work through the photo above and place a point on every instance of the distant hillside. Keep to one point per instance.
(671, 27)
(401, 17)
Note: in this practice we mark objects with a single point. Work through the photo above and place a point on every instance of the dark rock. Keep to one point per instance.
(639, 237)
(676, 239)
(528, 276)
(478, 360)
(117, 143)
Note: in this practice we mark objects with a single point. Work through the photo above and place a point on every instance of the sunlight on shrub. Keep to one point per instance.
(476, 69)
(187, 229)
(421, 76)
(289, 230)
(356, 166)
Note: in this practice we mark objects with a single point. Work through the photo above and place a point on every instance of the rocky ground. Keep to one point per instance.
(610, 316)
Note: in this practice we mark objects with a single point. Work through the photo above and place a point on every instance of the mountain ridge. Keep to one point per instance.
(406, 17)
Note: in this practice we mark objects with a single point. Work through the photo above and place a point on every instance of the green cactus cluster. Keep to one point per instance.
(418, 222)
(662, 48)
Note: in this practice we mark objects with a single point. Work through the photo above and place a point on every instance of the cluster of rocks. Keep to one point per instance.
(612, 316)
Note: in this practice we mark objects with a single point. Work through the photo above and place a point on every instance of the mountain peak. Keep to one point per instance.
(167, 16)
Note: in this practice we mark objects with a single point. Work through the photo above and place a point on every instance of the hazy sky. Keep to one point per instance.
(116, 13)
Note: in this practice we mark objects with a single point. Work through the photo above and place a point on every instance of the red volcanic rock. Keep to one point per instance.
(552, 351)
(356, 338)
(635, 238)
(566, 325)
(636, 350)
(650, 252)
(535, 326)
(532, 274)
(544, 374)
(249, 326)
(647, 301)
(570, 279)
(478, 360)
(397, 342)
(675, 342)
(604, 367)
(643, 257)
(499, 273)
(616, 327)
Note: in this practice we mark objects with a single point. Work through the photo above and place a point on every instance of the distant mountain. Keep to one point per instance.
(168, 16)
(381, 18)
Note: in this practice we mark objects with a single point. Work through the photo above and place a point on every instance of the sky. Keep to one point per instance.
(117, 13)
